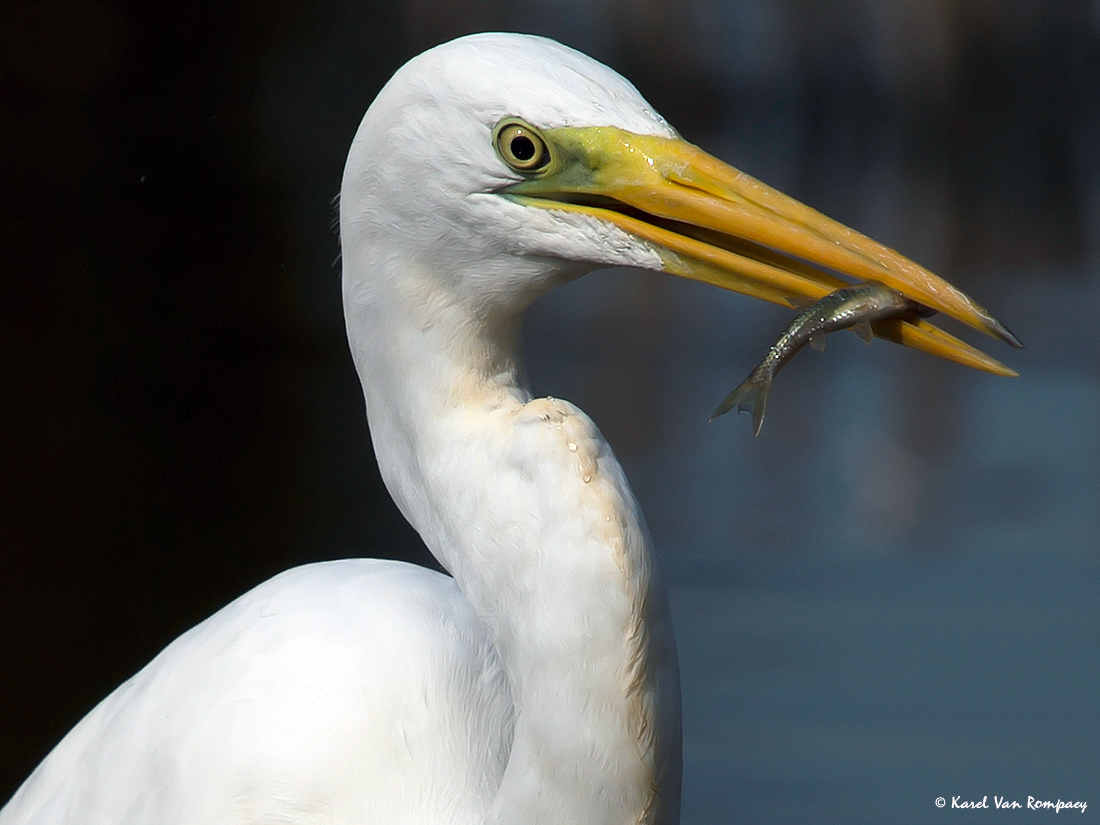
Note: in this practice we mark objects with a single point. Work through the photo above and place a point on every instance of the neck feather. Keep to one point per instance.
(523, 502)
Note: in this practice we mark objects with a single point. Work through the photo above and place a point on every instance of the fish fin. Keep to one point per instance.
(798, 302)
(863, 330)
(817, 341)
(750, 396)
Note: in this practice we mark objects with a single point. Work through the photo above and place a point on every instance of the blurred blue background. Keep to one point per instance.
(890, 596)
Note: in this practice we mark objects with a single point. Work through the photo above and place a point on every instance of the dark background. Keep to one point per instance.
(182, 419)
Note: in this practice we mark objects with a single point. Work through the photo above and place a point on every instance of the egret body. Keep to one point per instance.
(539, 684)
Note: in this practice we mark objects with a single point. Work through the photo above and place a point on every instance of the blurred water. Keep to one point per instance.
(873, 608)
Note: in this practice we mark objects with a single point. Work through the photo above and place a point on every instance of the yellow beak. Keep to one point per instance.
(713, 223)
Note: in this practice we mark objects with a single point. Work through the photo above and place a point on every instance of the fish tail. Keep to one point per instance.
(750, 396)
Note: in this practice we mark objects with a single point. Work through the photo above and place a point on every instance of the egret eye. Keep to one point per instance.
(521, 146)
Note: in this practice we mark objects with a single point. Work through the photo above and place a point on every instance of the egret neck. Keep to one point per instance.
(522, 501)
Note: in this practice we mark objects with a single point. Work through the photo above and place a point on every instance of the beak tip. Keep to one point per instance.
(997, 329)
(1004, 333)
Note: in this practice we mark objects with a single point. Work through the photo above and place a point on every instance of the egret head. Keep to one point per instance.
(494, 167)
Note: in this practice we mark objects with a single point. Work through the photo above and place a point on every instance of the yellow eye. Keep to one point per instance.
(521, 146)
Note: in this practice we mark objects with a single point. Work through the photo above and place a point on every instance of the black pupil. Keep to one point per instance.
(523, 148)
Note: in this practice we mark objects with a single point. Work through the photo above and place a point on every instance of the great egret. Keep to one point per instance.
(540, 684)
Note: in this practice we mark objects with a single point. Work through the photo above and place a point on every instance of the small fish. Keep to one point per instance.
(855, 306)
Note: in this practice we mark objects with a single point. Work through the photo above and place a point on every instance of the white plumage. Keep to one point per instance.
(539, 685)
(269, 711)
